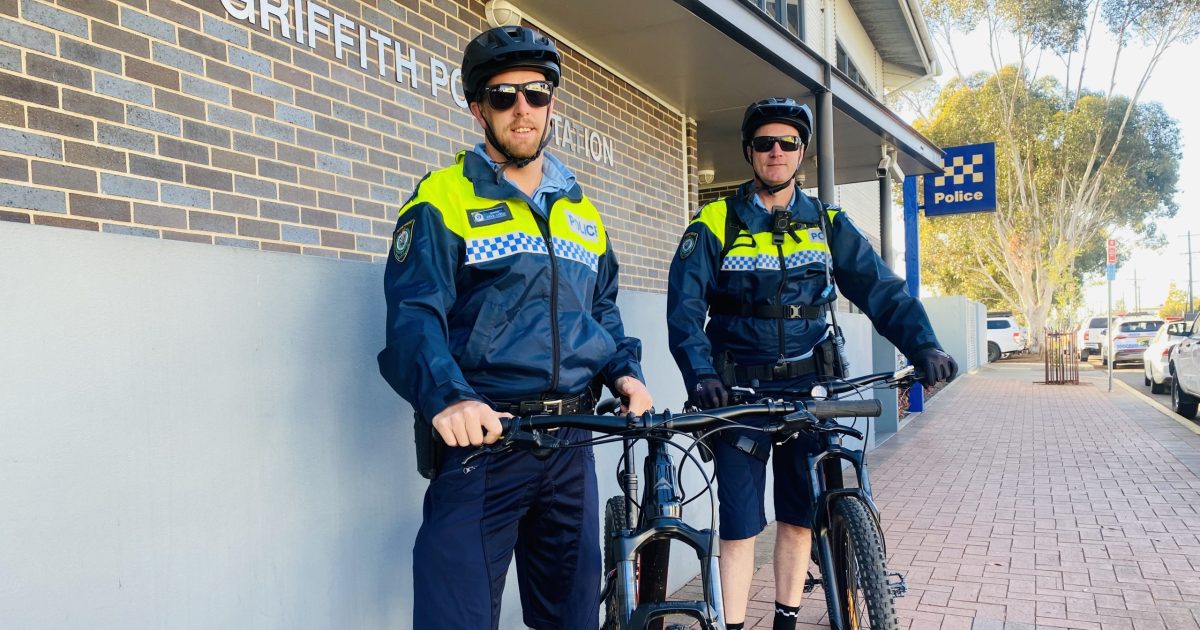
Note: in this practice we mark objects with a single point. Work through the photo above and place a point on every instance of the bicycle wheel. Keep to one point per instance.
(614, 521)
(860, 569)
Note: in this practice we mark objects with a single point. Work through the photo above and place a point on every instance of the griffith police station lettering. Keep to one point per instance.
(306, 22)
(957, 196)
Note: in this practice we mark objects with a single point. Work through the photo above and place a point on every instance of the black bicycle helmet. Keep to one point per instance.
(503, 48)
(769, 110)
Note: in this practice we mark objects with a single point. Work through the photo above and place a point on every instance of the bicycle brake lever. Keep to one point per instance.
(535, 440)
(792, 423)
(500, 447)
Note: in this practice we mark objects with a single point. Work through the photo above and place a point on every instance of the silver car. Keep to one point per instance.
(1154, 361)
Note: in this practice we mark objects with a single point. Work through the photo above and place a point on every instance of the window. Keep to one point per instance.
(846, 65)
(1140, 327)
(788, 13)
(998, 324)
(1098, 322)
(792, 18)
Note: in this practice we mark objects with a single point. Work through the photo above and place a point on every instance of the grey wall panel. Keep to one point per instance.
(960, 327)
(197, 437)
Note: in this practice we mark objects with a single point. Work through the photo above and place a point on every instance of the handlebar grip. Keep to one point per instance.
(607, 406)
(828, 409)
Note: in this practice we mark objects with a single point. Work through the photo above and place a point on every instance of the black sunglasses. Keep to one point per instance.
(504, 95)
(763, 144)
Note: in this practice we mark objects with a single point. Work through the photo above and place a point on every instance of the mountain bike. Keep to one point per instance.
(848, 543)
(637, 535)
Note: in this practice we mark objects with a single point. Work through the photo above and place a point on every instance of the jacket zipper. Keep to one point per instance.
(544, 227)
(783, 275)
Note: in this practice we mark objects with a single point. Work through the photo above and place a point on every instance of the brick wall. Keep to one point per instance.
(178, 121)
(713, 193)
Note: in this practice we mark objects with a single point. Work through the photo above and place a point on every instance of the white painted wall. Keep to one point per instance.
(858, 44)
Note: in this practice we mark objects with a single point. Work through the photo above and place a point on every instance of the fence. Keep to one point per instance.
(1060, 358)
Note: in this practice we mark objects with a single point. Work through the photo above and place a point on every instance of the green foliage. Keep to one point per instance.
(1176, 300)
(1054, 25)
(1047, 149)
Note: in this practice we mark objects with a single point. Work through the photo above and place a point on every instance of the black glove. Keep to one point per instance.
(935, 366)
(709, 393)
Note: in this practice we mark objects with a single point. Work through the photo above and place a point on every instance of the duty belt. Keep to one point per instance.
(582, 404)
(775, 371)
(765, 311)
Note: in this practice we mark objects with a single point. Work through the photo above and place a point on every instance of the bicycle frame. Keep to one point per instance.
(825, 477)
(659, 522)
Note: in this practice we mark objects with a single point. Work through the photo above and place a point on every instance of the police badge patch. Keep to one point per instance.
(402, 241)
(688, 245)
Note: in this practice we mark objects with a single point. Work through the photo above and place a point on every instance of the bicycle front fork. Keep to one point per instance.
(708, 611)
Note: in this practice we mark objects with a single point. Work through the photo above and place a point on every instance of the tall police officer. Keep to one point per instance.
(762, 263)
(501, 289)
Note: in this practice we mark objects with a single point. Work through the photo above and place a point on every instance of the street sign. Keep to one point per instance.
(967, 182)
(1112, 272)
(1112, 252)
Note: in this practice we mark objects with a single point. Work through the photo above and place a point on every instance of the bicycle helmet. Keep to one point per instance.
(503, 48)
(782, 110)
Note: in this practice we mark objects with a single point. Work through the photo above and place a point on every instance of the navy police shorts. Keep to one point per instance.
(741, 483)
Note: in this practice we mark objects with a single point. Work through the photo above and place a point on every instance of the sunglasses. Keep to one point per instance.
(504, 95)
(763, 144)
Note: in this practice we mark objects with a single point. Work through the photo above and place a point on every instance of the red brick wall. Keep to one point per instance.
(175, 120)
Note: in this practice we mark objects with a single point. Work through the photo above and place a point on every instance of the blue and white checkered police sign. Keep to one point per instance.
(967, 182)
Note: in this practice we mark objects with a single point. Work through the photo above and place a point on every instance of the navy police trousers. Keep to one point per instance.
(544, 510)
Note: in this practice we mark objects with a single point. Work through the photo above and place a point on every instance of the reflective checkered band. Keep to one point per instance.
(485, 249)
(767, 261)
(570, 250)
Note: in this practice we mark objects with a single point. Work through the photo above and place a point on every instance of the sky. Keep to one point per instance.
(1172, 84)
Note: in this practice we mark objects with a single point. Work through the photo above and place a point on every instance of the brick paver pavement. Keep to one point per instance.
(1013, 505)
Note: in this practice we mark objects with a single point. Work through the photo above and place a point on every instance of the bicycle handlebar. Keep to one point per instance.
(787, 417)
(699, 421)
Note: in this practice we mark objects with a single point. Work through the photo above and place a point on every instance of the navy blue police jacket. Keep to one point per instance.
(806, 270)
(491, 297)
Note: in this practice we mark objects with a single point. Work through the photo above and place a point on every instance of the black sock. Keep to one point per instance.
(736, 626)
(785, 617)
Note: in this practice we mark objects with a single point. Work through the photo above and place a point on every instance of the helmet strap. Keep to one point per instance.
(510, 159)
(771, 190)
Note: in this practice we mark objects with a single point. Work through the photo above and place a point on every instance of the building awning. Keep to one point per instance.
(710, 58)
(897, 28)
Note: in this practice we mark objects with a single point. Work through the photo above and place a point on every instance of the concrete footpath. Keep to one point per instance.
(1014, 505)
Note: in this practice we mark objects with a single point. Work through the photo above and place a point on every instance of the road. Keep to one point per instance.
(1128, 373)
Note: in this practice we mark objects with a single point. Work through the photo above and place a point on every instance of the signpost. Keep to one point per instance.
(967, 183)
(1108, 332)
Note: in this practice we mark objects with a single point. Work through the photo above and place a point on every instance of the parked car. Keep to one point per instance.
(1133, 335)
(1005, 337)
(1155, 361)
(1088, 337)
(1185, 372)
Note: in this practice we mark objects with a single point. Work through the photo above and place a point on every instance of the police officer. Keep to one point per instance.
(501, 294)
(763, 264)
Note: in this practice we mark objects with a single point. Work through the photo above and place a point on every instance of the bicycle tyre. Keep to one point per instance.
(614, 521)
(860, 571)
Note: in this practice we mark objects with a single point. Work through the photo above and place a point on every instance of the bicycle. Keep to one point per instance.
(637, 535)
(848, 542)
